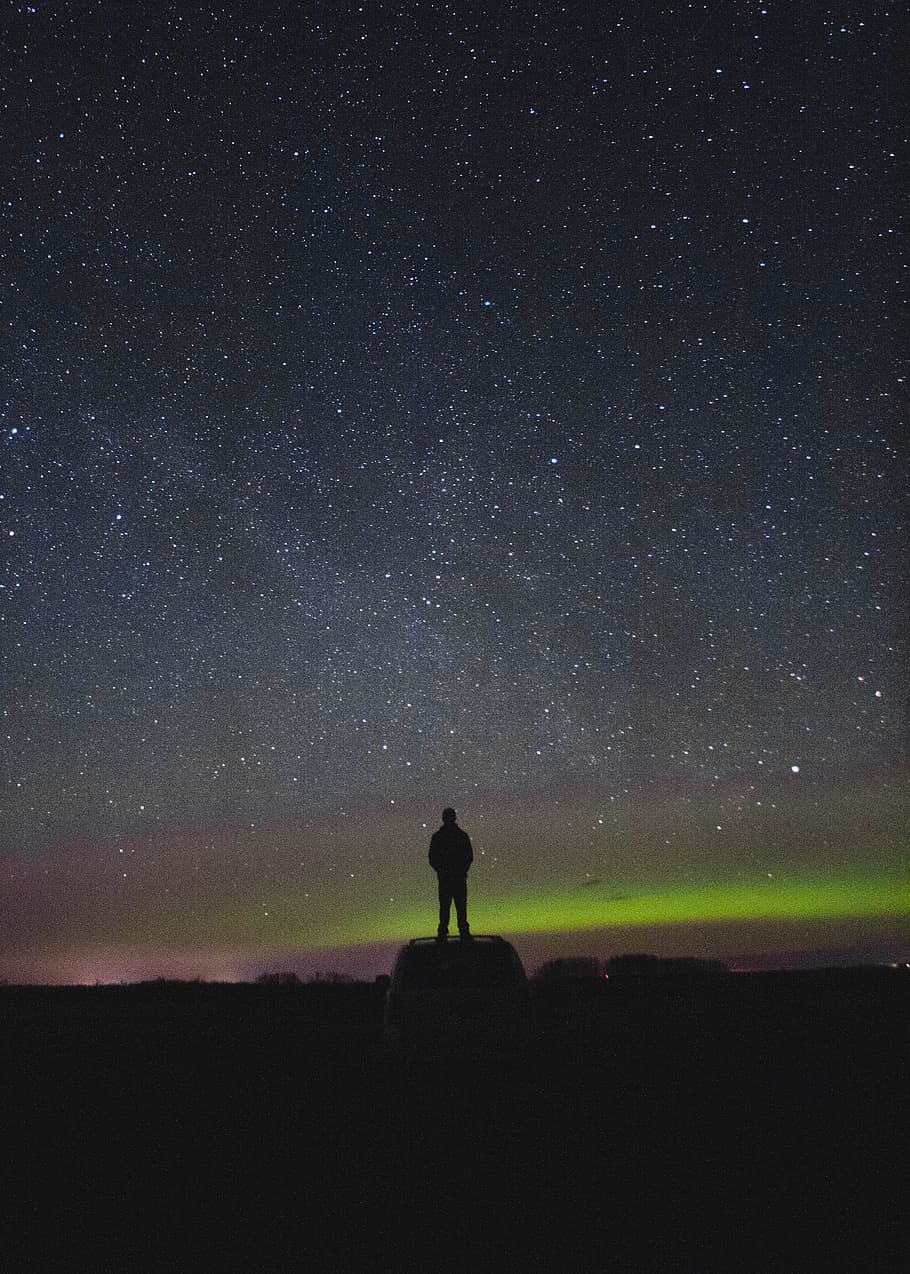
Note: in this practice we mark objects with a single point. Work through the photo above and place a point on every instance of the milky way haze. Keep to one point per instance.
(474, 403)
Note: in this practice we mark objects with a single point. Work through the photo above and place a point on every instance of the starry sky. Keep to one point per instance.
(490, 404)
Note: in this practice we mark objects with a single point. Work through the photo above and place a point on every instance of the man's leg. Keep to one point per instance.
(460, 898)
(445, 903)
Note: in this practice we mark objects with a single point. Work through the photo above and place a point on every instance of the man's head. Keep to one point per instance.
(448, 815)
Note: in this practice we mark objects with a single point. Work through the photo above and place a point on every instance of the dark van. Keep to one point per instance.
(458, 998)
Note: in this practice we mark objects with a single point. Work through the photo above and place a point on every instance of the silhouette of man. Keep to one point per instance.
(450, 857)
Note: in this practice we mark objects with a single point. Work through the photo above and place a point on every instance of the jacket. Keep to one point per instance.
(450, 851)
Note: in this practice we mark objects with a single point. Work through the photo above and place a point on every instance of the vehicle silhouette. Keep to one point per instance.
(456, 998)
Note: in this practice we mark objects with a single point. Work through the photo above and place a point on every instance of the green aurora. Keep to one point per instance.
(289, 921)
(812, 869)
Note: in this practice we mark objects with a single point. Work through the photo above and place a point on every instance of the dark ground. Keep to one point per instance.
(753, 1122)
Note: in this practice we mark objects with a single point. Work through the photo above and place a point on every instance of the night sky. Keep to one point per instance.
(487, 404)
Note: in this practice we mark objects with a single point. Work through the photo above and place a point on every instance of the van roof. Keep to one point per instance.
(475, 937)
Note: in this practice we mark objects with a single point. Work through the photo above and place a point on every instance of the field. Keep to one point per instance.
(749, 1122)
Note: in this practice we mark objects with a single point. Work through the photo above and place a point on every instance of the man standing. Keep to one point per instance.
(450, 857)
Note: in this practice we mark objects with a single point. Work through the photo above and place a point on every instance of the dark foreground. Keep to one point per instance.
(754, 1123)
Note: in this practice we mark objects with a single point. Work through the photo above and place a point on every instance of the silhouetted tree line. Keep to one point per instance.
(576, 969)
(283, 977)
(569, 969)
(163, 984)
(651, 966)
